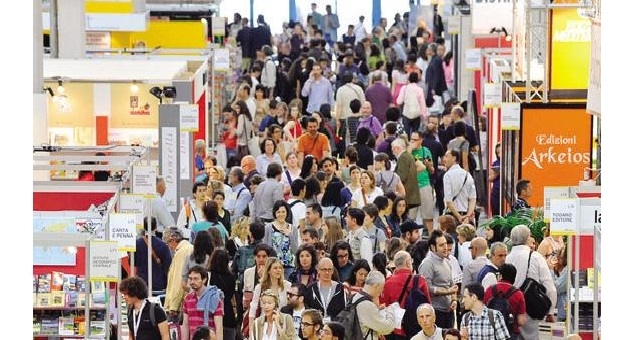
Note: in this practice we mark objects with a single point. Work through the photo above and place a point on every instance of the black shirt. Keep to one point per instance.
(146, 330)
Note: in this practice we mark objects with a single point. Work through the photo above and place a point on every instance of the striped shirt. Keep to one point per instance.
(195, 316)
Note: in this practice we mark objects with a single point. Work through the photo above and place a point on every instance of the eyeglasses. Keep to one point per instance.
(292, 294)
(307, 324)
(343, 256)
(471, 247)
(326, 269)
(414, 139)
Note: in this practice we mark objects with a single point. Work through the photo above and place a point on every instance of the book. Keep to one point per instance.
(81, 299)
(98, 294)
(44, 300)
(35, 283)
(80, 283)
(66, 325)
(98, 327)
(56, 281)
(35, 299)
(69, 282)
(58, 299)
(49, 326)
(44, 283)
(71, 299)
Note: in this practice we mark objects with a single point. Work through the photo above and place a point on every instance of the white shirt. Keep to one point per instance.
(273, 335)
(251, 106)
(360, 32)
(298, 211)
(161, 213)
(357, 196)
(463, 254)
(538, 270)
(454, 186)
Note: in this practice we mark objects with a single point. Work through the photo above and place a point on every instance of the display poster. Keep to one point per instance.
(556, 146)
(570, 50)
(489, 14)
(511, 116)
(133, 204)
(218, 25)
(184, 156)
(473, 59)
(144, 179)
(189, 118)
(122, 227)
(589, 215)
(169, 166)
(453, 26)
(103, 262)
(492, 95)
(222, 59)
(563, 219)
(550, 193)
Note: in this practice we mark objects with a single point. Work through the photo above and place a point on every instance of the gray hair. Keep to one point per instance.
(497, 245)
(399, 142)
(519, 234)
(425, 306)
(374, 278)
(238, 172)
(400, 258)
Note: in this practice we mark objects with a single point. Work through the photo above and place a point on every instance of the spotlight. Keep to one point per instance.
(170, 91)
(49, 90)
(134, 88)
(157, 92)
(60, 87)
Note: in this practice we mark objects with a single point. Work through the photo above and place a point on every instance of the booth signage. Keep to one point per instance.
(550, 193)
(511, 116)
(218, 25)
(590, 215)
(169, 166)
(492, 95)
(184, 156)
(487, 14)
(103, 264)
(144, 179)
(556, 147)
(122, 228)
(189, 117)
(473, 59)
(454, 24)
(133, 204)
(222, 59)
(563, 216)
(570, 50)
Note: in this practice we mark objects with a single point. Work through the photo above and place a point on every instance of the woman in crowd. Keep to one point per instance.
(211, 215)
(393, 245)
(275, 132)
(367, 192)
(309, 167)
(244, 128)
(379, 262)
(223, 214)
(282, 236)
(292, 128)
(217, 173)
(347, 192)
(268, 156)
(365, 152)
(272, 324)
(399, 78)
(385, 178)
(201, 252)
(321, 176)
(306, 261)
(273, 281)
(262, 103)
(342, 258)
(229, 136)
(350, 159)
(334, 231)
(218, 242)
(381, 222)
(333, 331)
(222, 278)
(312, 190)
(355, 282)
(239, 236)
(399, 214)
(291, 173)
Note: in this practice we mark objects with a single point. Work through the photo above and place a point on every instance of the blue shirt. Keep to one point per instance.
(159, 270)
(319, 92)
(240, 201)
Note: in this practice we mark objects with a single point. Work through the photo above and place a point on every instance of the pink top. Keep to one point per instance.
(412, 94)
(448, 72)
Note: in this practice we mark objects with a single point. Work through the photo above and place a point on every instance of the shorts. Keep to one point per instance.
(427, 208)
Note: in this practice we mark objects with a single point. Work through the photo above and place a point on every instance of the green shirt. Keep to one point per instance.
(423, 177)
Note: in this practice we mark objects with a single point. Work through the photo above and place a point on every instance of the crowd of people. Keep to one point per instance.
(348, 177)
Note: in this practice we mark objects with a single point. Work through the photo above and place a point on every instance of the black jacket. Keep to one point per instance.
(226, 282)
(313, 299)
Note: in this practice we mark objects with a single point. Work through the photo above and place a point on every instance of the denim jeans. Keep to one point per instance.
(411, 125)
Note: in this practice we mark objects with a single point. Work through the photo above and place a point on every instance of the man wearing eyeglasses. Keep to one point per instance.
(478, 247)
(192, 210)
(325, 294)
(296, 305)
(311, 324)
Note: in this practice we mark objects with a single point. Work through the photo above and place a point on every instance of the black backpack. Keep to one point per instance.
(538, 302)
(348, 317)
(484, 271)
(413, 300)
(499, 301)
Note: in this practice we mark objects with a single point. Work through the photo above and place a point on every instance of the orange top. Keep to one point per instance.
(313, 146)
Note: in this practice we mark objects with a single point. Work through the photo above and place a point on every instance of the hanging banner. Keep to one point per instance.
(473, 59)
(511, 116)
(169, 166)
(563, 216)
(221, 59)
(570, 51)
(489, 14)
(122, 228)
(189, 118)
(594, 85)
(103, 262)
(144, 179)
(184, 155)
(492, 95)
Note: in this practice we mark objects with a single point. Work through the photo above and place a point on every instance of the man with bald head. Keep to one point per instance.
(426, 320)
(325, 294)
(396, 283)
(478, 247)
(248, 165)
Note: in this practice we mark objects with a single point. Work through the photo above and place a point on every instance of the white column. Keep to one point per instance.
(71, 24)
(465, 79)
(40, 122)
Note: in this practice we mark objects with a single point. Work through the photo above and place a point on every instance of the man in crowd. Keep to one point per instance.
(296, 304)
(344, 95)
(248, 165)
(425, 169)
(240, 197)
(318, 89)
(478, 247)
(310, 236)
(524, 192)
(331, 197)
(460, 195)
(267, 193)
(380, 96)
(313, 142)
(296, 202)
(358, 238)
(426, 320)
(488, 275)
(325, 294)
(407, 170)
(182, 249)
(481, 322)
(410, 233)
(516, 301)
(193, 317)
(160, 208)
(372, 323)
(161, 258)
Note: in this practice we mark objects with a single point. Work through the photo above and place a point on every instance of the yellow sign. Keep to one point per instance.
(570, 50)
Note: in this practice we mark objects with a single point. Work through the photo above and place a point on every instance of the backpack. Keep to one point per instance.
(538, 303)
(291, 205)
(246, 259)
(153, 319)
(415, 298)
(348, 317)
(387, 186)
(484, 271)
(499, 301)
(491, 320)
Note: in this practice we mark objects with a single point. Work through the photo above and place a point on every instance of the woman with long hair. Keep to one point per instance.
(367, 192)
(379, 262)
(293, 129)
(399, 78)
(228, 134)
(312, 190)
(347, 192)
(291, 173)
(275, 132)
(244, 128)
(211, 214)
(309, 167)
(222, 278)
(239, 235)
(201, 252)
(272, 324)
(342, 258)
(399, 214)
(333, 331)
(384, 175)
(223, 214)
(282, 236)
(262, 103)
(218, 242)
(268, 156)
(334, 233)
(355, 282)
(273, 281)
(306, 260)
(384, 209)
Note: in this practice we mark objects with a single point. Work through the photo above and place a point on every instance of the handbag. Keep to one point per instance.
(253, 143)
(438, 105)
(538, 303)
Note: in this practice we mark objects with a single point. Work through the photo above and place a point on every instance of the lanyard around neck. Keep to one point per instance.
(137, 318)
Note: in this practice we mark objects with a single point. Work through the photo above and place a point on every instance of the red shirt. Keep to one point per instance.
(516, 301)
(230, 142)
(195, 316)
(393, 288)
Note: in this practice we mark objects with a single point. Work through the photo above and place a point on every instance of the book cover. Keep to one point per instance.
(56, 281)
(69, 282)
(80, 324)
(49, 326)
(44, 283)
(98, 328)
(35, 283)
(44, 300)
(58, 299)
(37, 327)
(81, 299)
(66, 325)
(71, 299)
(80, 283)
(98, 294)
